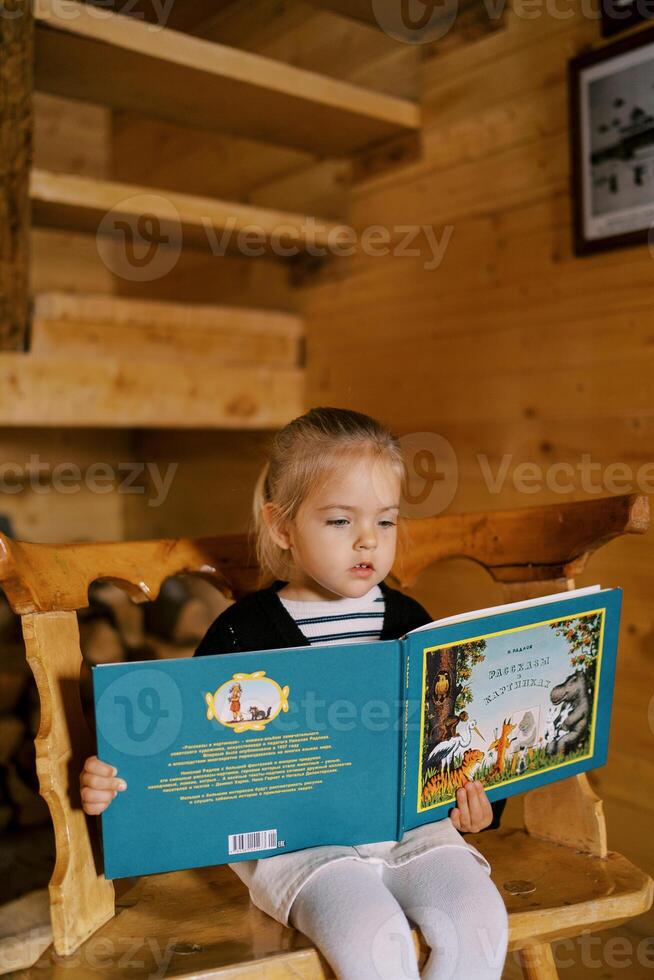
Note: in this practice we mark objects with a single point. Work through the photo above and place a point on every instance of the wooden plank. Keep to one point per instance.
(81, 899)
(318, 41)
(78, 325)
(118, 61)
(73, 137)
(62, 260)
(81, 203)
(116, 393)
(16, 133)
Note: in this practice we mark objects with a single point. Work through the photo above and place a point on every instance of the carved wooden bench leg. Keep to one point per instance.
(81, 899)
(537, 962)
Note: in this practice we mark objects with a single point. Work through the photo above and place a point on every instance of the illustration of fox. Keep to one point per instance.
(501, 745)
(446, 782)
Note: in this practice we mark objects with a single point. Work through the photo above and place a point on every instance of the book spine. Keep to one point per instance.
(404, 734)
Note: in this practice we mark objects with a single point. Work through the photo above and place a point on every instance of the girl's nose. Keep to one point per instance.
(367, 539)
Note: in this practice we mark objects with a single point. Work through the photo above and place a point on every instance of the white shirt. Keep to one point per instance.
(275, 881)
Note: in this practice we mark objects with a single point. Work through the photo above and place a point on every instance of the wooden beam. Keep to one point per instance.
(99, 56)
(16, 126)
(121, 392)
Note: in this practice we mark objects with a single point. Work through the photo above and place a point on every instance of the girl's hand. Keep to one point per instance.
(474, 811)
(98, 785)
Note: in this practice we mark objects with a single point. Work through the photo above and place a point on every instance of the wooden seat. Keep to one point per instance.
(557, 876)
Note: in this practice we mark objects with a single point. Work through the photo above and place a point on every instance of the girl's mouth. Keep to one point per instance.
(363, 570)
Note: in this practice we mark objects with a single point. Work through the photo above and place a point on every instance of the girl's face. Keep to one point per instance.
(352, 519)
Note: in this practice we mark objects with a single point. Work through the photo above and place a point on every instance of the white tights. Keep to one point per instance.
(357, 915)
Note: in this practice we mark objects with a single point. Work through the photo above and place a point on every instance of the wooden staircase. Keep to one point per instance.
(82, 355)
(107, 361)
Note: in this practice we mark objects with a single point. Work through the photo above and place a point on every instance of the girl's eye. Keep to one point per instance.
(338, 522)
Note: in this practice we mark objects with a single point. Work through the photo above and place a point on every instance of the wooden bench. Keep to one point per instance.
(556, 874)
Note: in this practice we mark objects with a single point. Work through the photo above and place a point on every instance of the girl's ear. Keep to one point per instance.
(277, 532)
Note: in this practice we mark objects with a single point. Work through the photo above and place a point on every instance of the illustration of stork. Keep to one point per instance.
(445, 752)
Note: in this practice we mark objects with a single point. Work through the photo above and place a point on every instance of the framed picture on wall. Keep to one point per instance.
(618, 15)
(612, 144)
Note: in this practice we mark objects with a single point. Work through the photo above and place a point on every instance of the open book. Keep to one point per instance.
(244, 755)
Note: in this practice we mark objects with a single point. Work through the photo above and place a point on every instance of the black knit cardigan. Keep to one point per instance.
(260, 621)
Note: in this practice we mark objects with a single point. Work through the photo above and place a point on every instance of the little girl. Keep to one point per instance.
(326, 520)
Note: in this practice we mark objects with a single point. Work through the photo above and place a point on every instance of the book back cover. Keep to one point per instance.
(236, 756)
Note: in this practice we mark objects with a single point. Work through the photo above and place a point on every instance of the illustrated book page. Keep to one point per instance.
(517, 697)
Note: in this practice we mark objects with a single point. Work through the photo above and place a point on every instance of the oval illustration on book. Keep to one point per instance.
(247, 702)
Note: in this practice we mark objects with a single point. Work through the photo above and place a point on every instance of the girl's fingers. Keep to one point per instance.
(95, 765)
(486, 808)
(474, 807)
(455, 817)
(94, 809)
(97, 795)
(481, 812)
(102, 782)
(462, 803)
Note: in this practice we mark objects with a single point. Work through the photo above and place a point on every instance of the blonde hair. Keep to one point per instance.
(301, 458)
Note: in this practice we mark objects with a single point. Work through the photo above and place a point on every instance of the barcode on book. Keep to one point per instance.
(258, 840)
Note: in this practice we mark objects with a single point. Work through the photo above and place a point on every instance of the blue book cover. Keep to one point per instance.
(246, 755)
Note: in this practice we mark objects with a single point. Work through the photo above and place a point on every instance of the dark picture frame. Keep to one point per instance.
(619, 15)
(611, 102)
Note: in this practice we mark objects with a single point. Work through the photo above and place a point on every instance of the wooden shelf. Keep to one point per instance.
(81, 203)
(83, 325)
(88, 53)
(122, 392)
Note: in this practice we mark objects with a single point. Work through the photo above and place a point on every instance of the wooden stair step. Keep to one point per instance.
(122, 392)
(93, 54)
(204, 917)
(82, 203)
(93, 325)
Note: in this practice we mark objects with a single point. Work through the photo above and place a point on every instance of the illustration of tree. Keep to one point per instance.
(448, 692)
(582, 634)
